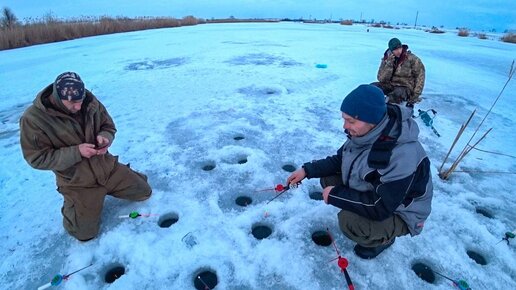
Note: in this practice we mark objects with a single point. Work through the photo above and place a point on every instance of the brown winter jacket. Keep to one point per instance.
(49, 138)
(406, 71)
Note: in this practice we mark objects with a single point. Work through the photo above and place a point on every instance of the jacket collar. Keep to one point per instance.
(371, 136)
(47, 102)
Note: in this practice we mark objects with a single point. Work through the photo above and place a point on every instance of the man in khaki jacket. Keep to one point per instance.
(67, 130)
(401, 75)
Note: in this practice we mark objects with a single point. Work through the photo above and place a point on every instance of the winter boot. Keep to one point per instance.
(370, 253)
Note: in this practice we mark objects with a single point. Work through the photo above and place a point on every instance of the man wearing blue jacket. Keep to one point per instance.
(380, 177)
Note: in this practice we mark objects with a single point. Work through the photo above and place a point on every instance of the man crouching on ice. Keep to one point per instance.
(380, 177)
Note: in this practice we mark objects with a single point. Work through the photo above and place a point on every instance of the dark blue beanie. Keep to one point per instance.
(365, 103)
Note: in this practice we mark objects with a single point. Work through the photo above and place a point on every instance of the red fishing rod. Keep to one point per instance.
(342, 263)
(280, 189)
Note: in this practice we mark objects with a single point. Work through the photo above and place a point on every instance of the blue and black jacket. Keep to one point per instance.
(386, 180)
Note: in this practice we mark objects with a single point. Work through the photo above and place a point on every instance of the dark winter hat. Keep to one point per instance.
(69, 86)
(365, 103)
(394, 43)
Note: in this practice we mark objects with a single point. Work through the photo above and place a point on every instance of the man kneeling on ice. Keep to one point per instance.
(68, 130)
(380, 177)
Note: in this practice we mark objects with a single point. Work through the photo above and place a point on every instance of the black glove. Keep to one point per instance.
(410, 105)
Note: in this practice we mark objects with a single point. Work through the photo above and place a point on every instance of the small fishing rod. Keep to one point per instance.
(461, 284)
(136, 214)
(59, 278)
(508, 235)
(342, 263)
(280, 189)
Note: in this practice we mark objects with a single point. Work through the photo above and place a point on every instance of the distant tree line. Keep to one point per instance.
(48, 29)
(15, 34)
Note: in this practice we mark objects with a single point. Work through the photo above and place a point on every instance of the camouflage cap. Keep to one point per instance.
(69, 86)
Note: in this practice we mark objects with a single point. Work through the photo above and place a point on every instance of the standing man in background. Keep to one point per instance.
(67, 130)
(401, 75)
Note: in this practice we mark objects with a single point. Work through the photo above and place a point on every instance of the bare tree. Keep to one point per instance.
(7, 18)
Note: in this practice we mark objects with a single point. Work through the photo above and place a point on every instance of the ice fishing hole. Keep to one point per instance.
(243, 200)
(424, 272)
(484, 212)
(316, 195)
(208, 167)
(261, 232)
(242, 160)
(114, 273)
(205, 280)
(167, 220)
(289, 168)
(321, 238)
(239, 137)
(477, 257)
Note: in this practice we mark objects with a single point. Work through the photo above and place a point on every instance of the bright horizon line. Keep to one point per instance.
(26, 20)
(476, 15)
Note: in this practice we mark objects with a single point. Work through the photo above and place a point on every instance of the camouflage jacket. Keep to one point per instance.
(406, 71)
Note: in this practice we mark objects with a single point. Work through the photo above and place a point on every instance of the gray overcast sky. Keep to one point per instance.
(474, 14)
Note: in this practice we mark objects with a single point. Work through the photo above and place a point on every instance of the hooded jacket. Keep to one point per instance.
(406, 71)
(50, 138)
(404, 187)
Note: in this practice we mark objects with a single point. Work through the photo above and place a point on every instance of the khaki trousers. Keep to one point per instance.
(82, 207)
(363, 231)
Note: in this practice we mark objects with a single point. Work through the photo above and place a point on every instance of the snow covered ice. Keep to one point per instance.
(246, 100)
